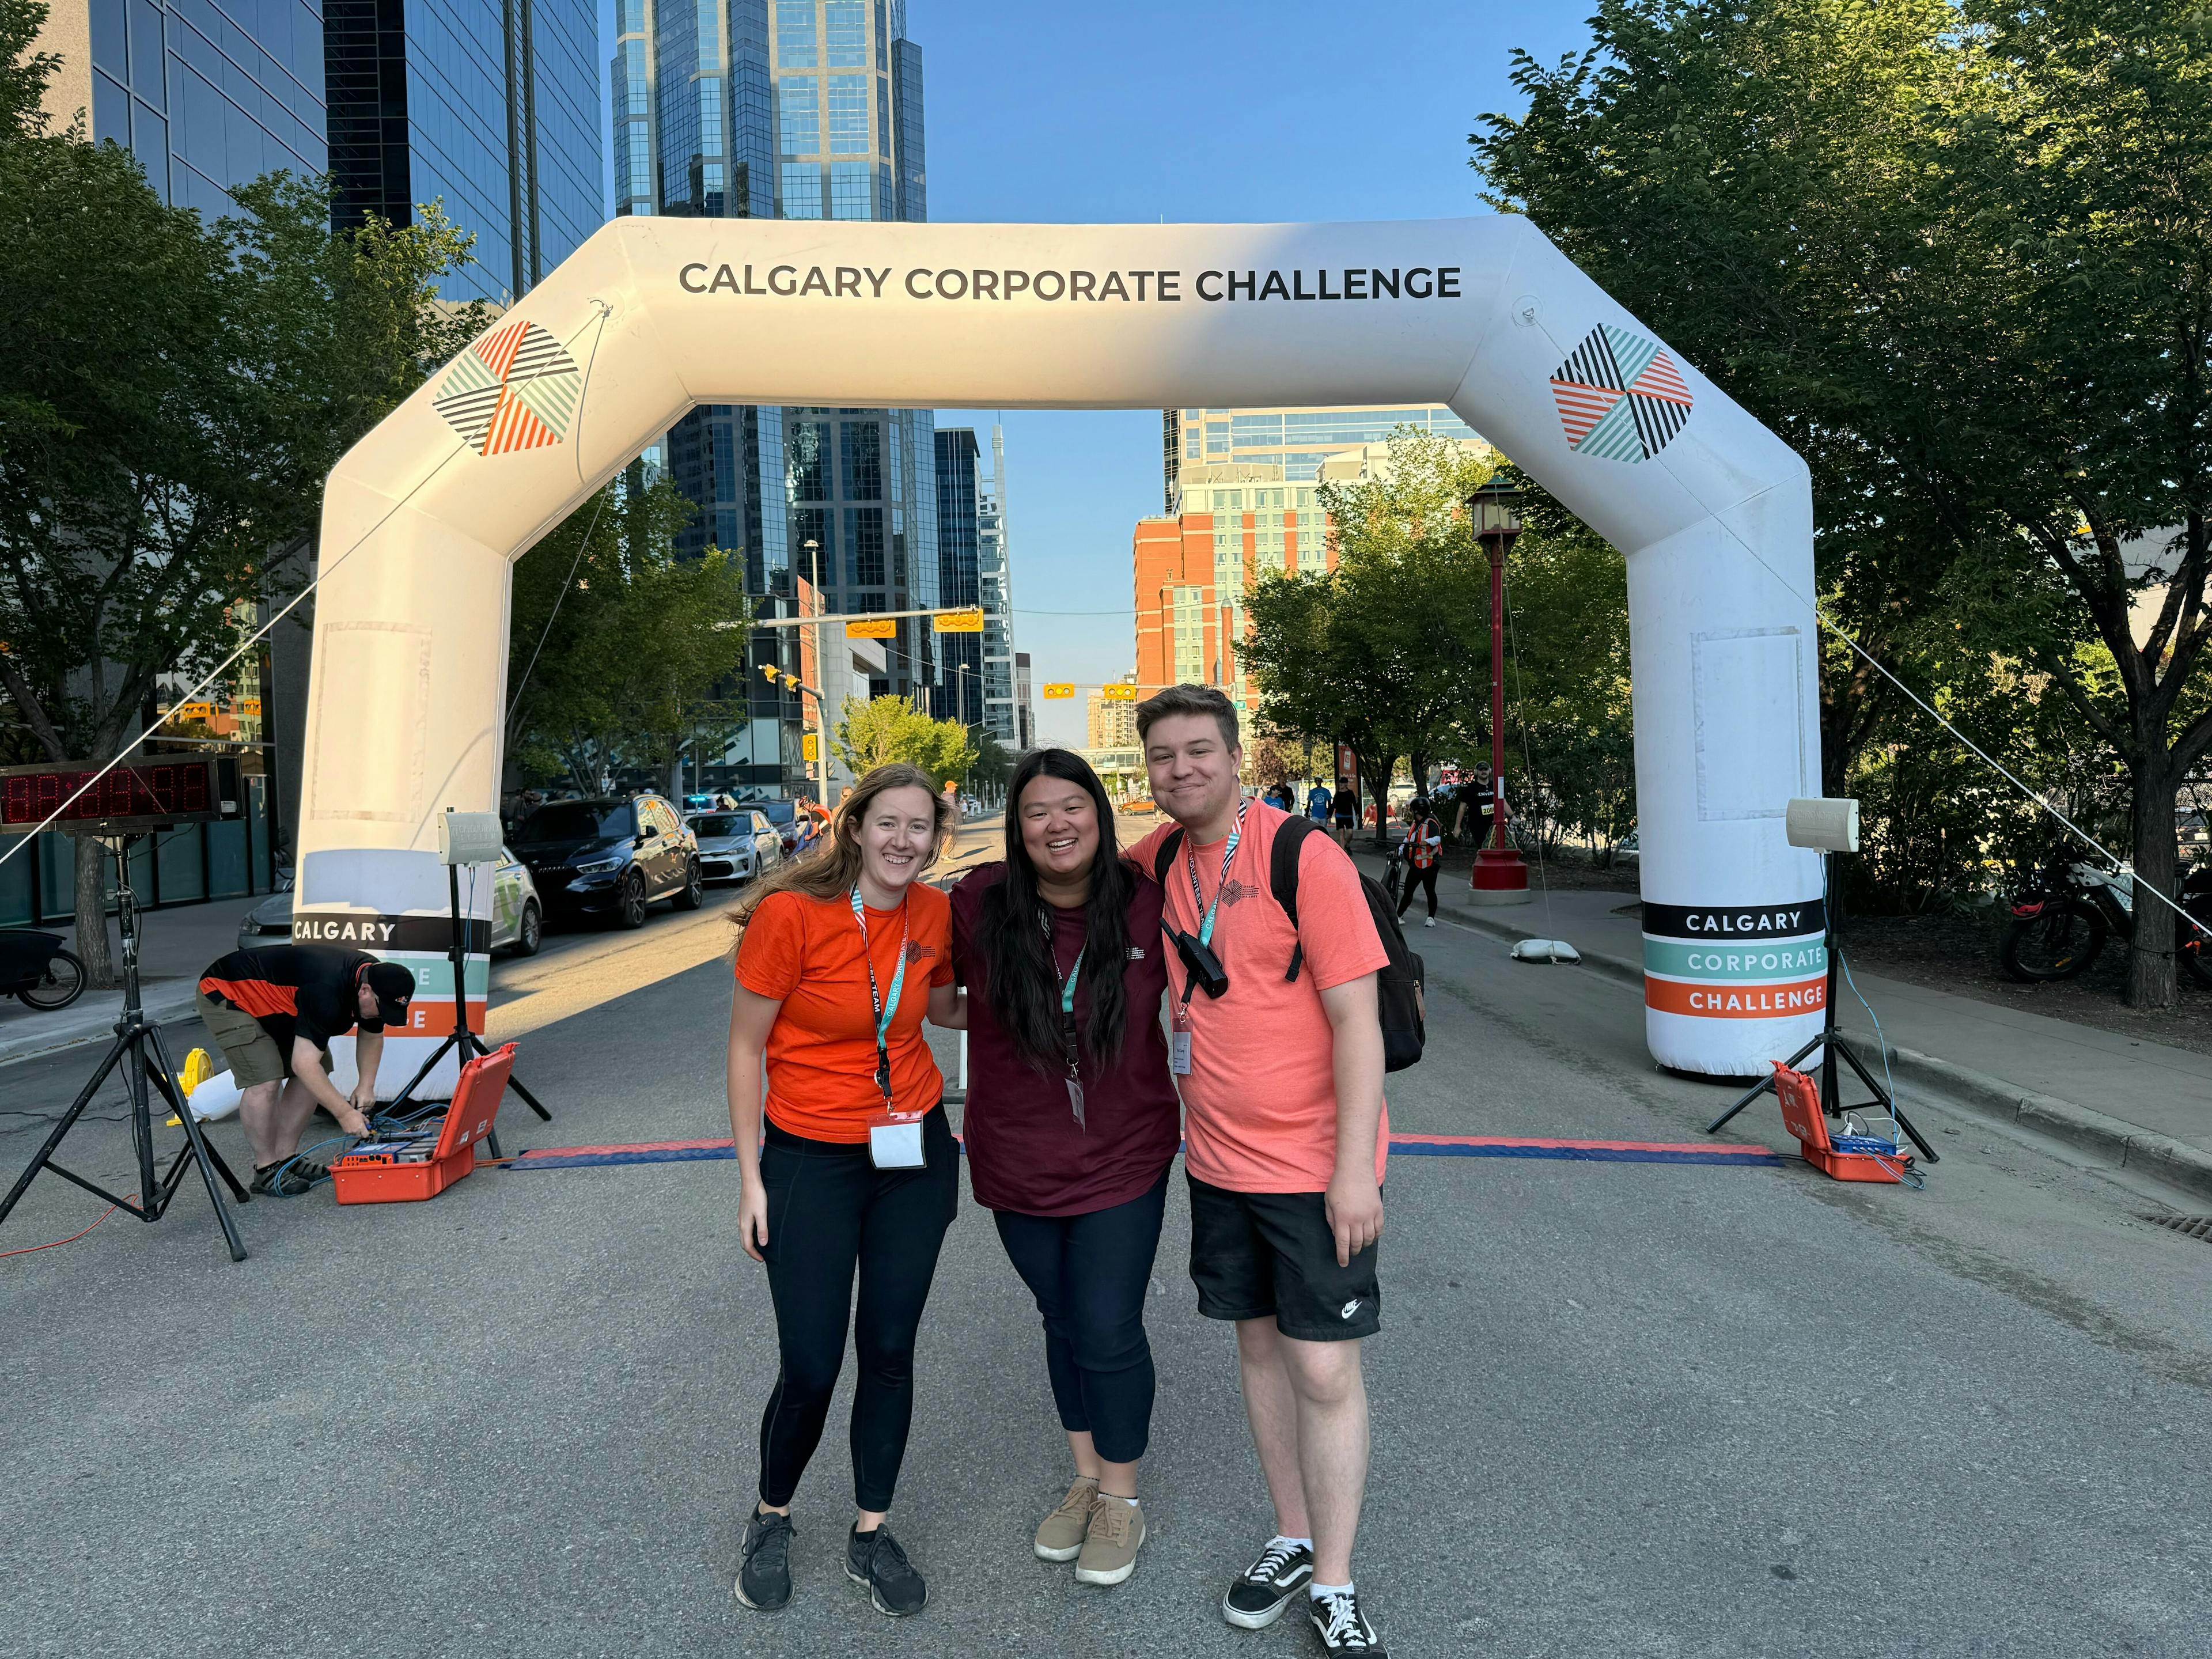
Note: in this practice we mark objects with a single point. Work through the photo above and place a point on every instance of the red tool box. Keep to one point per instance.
(396, 1170)
(1801, 1114)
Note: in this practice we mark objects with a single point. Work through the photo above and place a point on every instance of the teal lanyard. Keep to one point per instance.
(1197, 898)
(885, 1012)
(1070, 1045)
(1075, 973)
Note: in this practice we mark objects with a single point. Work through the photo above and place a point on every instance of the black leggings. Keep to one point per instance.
(829, 1209)
(1089, 1274)
(1414, 878)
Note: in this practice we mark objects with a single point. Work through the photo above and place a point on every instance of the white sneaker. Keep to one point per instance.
(1429, 922)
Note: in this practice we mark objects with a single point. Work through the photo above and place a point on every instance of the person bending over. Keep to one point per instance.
(1072, 1124)
(273, 1011)
(841, 952)
(1282, 1091)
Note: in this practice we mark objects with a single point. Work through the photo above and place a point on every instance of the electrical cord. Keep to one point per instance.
(27, 1249)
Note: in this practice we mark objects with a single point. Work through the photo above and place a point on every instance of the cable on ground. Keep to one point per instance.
(73, 1237)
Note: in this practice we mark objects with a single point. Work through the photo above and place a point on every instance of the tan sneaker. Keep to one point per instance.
(1110, 1545)
(1061, 1537)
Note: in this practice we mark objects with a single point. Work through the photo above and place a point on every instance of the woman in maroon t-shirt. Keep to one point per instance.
(1071, 1123)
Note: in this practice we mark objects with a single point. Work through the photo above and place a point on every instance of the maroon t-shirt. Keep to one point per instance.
(1024, 1151)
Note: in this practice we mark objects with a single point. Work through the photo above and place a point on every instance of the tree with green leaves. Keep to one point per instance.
(885, 729)
(1959, 254)
(616, 646)
(174, 393)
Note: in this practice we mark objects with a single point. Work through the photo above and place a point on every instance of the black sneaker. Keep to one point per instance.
(286, 1179)
(764, 1575)
(895, 1589)
(1340, 1624)
(1257, 1599)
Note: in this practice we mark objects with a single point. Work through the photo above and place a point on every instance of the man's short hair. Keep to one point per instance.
(1189, 700)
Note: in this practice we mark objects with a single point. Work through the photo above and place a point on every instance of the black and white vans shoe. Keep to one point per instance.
(1257, 1599)
(1341, 1627)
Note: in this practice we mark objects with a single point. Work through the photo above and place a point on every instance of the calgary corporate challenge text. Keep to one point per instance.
(864, 283)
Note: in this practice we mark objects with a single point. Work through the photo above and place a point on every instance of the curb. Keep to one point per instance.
(2124, 1143)
(162, 1006)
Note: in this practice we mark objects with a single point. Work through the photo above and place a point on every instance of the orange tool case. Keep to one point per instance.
(396, 1170)
(1801, 1115)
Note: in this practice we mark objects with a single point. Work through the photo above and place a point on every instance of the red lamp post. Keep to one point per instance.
(1500, 877)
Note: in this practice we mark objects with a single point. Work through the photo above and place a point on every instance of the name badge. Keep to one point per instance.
(894, 1143)
(1179, 1052)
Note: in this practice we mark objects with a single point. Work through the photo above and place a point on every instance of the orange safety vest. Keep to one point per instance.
(1421, 848)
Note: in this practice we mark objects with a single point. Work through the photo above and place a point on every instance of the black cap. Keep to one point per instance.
(393, 987)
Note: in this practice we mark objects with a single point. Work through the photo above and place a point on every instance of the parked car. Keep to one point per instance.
(714, 800)
(736, 845)
(518, 915)
(794, 828)
(611, 857)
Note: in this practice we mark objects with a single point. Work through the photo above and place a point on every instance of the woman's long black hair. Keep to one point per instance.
(1021, 981)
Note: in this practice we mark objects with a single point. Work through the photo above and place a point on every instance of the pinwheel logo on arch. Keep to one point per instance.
(513, 389)
(1620, 396)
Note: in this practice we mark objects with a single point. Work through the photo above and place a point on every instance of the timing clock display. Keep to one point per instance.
(143, 792)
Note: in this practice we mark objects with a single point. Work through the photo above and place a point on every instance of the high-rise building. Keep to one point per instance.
(1024, 709)
(995, 592)
(960, 656)
(1109, 724)
(795, 109)
(490, 111)
(1295, 440)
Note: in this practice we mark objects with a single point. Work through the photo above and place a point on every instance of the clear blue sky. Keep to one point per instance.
(1138, 110)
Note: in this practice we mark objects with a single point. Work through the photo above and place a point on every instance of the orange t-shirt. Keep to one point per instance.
(805, 952)
(1260, 1102)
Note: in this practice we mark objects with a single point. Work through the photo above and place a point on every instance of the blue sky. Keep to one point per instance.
(1140, 110)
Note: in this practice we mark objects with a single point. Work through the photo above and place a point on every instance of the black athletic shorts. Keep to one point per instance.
(1256, 1253)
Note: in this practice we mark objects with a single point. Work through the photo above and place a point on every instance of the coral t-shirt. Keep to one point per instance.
(806, 953)
(1259, 1101)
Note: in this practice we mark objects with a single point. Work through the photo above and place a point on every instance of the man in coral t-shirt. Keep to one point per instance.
(1285, 1132)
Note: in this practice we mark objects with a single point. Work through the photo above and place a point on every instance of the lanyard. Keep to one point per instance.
(883, 1014)
(1066, 995)
(1190, 865)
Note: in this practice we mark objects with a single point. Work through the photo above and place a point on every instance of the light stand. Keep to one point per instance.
(464, 838)
(1829, 826)
(134, 1036)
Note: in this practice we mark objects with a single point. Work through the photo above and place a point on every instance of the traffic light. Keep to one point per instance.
(767, 673)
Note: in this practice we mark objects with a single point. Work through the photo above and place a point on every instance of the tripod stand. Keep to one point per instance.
(467, 1041)
(1832, 1042)
(134, 1037)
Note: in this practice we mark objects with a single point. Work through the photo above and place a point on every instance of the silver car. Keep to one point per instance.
(518, 919)
(736, 845)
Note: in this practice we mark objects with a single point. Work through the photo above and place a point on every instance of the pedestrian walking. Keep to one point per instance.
(859, 1173)
(1072, 1124)
(1473, 815)
(1424, 845)
(1317, 803)
(1278, 1047)
(1344, 810)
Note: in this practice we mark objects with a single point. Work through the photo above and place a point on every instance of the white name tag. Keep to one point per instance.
(1179, 1052)
(896, 1146)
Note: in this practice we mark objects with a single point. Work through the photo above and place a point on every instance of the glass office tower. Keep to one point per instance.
(796, 109)
(1296, 440)
(489, 107)
(960, 656)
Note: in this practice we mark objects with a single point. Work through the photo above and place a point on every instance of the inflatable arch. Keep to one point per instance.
(424, 518)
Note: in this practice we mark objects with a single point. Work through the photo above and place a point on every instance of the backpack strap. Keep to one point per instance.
(1164, 860)
(1283, 879)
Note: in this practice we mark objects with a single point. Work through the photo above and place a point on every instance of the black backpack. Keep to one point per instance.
(1399, 994)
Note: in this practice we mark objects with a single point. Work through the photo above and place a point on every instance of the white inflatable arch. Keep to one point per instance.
(425, 517)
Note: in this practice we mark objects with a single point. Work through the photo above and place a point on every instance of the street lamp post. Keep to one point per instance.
(1500, 877)
(821, 668)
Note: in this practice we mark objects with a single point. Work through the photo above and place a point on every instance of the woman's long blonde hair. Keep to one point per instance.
(831, 869)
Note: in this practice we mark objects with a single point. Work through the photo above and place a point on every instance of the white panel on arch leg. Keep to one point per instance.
(1746, 689)
(371, 721)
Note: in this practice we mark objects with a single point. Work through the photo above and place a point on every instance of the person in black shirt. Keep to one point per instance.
(274, 1010)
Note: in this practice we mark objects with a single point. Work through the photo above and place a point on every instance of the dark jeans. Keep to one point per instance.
(1423, 878)
(830, 1210)
(1089, 1274)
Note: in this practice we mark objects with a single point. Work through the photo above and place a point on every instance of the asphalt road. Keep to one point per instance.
(1620, 1408)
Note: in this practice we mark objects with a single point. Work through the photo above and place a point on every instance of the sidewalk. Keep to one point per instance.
(174, 947)
(2131, 1102)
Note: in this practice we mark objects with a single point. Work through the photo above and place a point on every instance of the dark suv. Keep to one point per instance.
(611, 857)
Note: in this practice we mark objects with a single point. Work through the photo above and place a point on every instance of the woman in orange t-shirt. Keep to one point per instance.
(843, 951)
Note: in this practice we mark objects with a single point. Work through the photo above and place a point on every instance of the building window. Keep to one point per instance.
(807, 456)
(848, 115)
(802, 189)
(800, 108)
(847, 33)
(850, 197)
(864, 544)
(795, 34)
(813, 524)
(863, 446)
(1216, 438)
